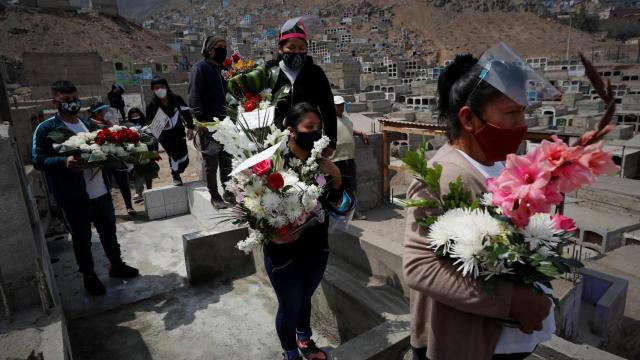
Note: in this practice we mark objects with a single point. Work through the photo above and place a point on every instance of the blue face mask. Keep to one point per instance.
(294, 61)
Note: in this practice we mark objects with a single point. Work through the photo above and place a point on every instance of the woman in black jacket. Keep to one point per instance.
(307, 80)
(172, 137)
(295, 262)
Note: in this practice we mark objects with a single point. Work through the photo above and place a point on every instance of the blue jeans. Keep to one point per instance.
(294, 281)
(78, 219)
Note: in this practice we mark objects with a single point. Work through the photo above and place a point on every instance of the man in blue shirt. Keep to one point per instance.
(82, 193)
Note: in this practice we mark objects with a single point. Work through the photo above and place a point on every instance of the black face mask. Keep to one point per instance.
(70, 108)
(294, 61)
(219, 55)
(305, 140)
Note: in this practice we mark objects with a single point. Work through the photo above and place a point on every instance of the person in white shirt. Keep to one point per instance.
(82, 193)
(344, 155)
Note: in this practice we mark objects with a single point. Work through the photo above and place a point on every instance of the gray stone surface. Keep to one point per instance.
(154, 247)
(216, 321)
(211, 255)
(166, 201)
(369, 172)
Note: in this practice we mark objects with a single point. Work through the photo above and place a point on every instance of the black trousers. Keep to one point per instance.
(78, 219)
(421, 354)
(223, 160)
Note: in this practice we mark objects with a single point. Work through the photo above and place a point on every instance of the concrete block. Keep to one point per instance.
(357, 107)
(425, 117)
(153, 198)
(156, 213)
(384, 106)
(367, 96)
(608, 294)
(177, 209)
(211, 255)
(406, 115)
(174, 195)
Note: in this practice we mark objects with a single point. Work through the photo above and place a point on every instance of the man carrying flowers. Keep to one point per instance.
(81, 192)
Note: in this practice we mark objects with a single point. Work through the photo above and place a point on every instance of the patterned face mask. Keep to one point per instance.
(294, 61)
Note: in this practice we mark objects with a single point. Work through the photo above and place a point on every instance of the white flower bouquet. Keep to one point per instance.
(276, 193)
(113, 147)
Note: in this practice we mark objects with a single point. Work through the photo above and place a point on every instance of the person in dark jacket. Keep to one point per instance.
(115, 99)
(172, 138)
(207, 91)
(136, 117)
(295, 262)
(307, 80)
(82, 193)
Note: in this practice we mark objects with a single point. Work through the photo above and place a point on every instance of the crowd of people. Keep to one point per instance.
(443, 305)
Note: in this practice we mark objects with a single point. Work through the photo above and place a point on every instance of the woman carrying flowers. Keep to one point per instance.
(485, 123)
(296, 260)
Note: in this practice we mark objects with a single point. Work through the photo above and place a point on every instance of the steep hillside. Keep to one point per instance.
(26, 29)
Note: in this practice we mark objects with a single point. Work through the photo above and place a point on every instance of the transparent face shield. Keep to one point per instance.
(309, 24)
(503, 69)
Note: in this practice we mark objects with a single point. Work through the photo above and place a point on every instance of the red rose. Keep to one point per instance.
(275, 181)
(236, 57)
(227, 62)
(262, 168)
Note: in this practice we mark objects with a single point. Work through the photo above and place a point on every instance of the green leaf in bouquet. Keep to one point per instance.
(458, 196)
(60, 135)
(422, 203)
(280, 95)
(548, 269)
(427, 222)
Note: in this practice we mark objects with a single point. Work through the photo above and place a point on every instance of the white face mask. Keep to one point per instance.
(161, 93)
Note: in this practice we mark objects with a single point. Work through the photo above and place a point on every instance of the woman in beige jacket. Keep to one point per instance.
(453, 317)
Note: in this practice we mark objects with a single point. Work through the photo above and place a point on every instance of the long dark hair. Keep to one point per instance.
(296, 113)
(460, 85)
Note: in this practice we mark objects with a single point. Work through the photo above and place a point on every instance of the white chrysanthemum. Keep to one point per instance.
(120, 151)
(540, 232)
(85, 147)
(254, 206)
(271, 201)
(487, 199)
(116, 128)
(131, 147)
(292, 207)
(463, 233)
(95, 147)
(252, 241)
(278, 221)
